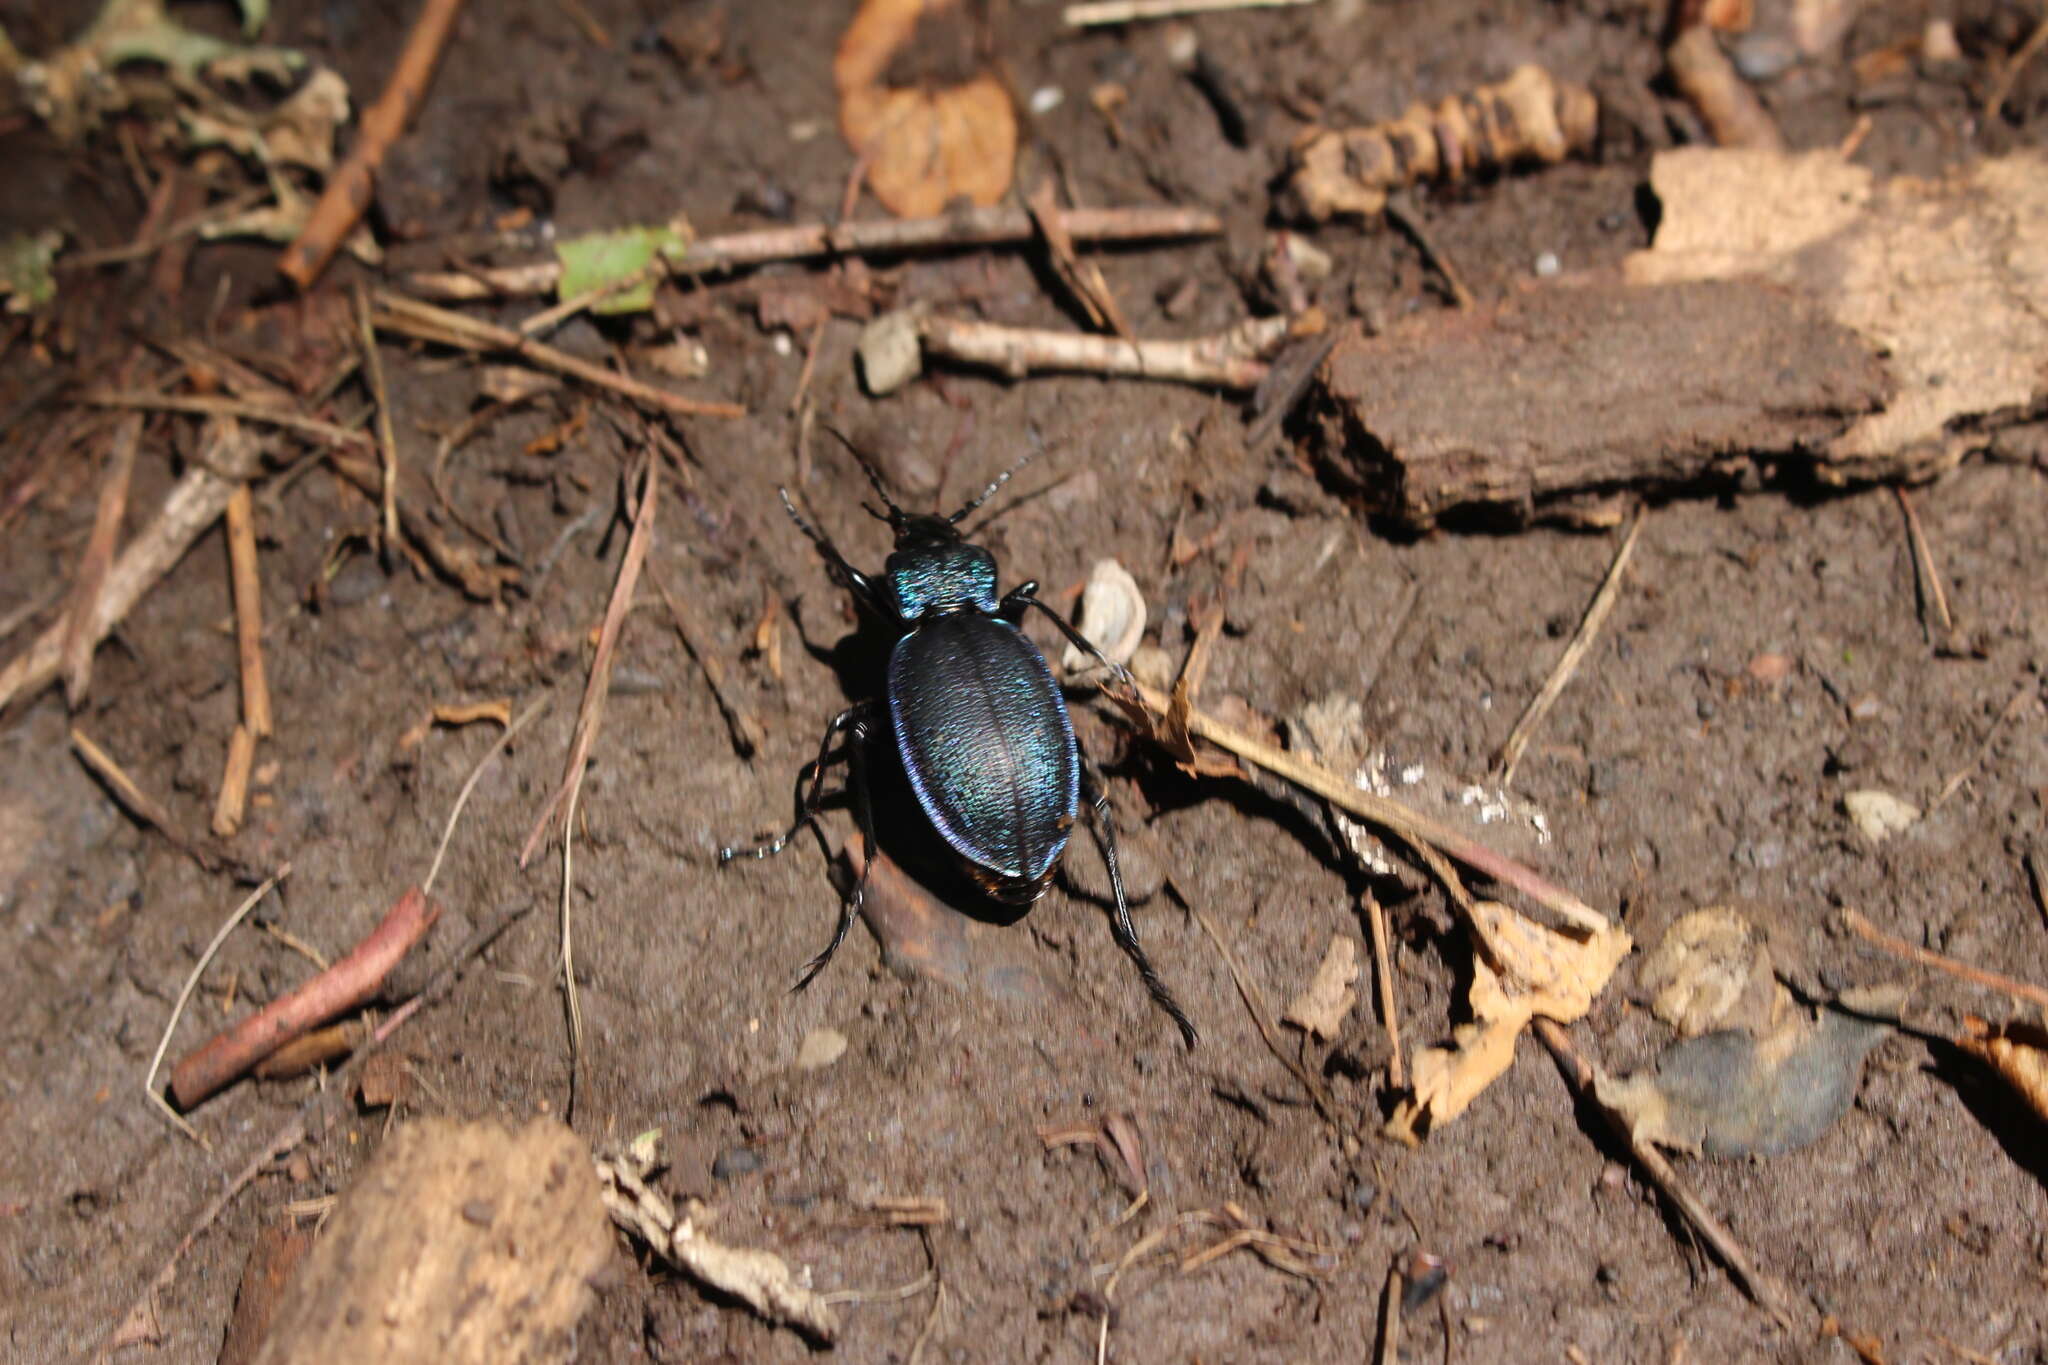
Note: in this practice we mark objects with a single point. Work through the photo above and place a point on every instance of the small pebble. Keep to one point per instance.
(1764, 57)
(1547, 265)
(735, 1161)
(821, 1047)
(1047, 98)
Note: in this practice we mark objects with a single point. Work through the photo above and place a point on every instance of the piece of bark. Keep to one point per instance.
(462, 1244)
(1521, 411)
(272, 1261)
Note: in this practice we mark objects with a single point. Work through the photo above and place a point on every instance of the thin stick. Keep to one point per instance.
(339, 989)
(183, 228)
(1255, 1004)
(1411, 825)
(1581, 1076)
(1231, 359)
(1962, 774)
(1390, 1315)
(135, 1325)
(590, 715)
(1927, 957)
(79, 642)
(1390, 1011)
(140, 803)
(247, 582)
(1130, 11)
(439, 325)
(498, 746)
(1705, 75)
(1510, 754)
(192, 981)
(387, 440)
(1994, 103)
(233, 802)
(348, 190)
(994, 226)
(1931, 592)
(227, 407)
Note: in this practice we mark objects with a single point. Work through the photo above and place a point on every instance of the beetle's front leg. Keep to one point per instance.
(1026, 595)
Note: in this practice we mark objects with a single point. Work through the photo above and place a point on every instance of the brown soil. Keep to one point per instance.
(1670, 778)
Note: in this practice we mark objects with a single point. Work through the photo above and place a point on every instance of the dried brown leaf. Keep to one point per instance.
(2017, 1051)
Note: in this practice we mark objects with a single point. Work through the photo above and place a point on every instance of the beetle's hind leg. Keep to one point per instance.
(808, 806)
(864, 814)
(1120, 926)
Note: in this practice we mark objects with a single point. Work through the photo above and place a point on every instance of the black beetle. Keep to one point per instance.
(981, 727)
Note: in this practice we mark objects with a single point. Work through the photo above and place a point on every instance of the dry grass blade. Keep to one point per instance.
(387, 439)
(1255, 1003)
(1510, 755)
(1926, 572)
(1383, 972)
(185, 994)
(141, 804)
(590, 715)
(240, 410)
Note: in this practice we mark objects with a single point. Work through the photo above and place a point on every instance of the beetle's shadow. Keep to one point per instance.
(860, 660)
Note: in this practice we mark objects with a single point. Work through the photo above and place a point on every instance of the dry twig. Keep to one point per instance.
(1231, 359)
(1582, 1076)
(760, 1279)
(425, 322)
(1383, 972)
(1912, 952)
(79, 640)
(347, 195)
(1418, 830)
(1994, 102)
(339, 989)
(192, 506)
(233, 802)
(1962, 774)
(247, 582)
(1100, 12)
(1730, 109)
(141, 804)
(993, 226)
(387, 439)
(1510, 754)
(1925, 572)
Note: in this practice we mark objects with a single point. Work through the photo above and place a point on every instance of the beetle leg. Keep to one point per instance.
(807, 808)
(1025, 595)
(864, 813)
(1120, 927)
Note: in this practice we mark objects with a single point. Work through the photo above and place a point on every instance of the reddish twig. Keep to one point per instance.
(339, 989)
(348, 190)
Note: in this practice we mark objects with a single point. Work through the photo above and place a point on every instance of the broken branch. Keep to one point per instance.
(993, 226)
(339, 989)
(347, 195)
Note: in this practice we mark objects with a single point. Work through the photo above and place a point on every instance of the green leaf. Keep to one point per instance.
(26, 278)
(601, 259)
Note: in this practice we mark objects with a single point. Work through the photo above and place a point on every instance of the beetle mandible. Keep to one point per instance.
(978, 721)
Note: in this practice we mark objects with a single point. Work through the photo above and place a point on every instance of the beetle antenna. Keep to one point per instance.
(896, 515)
(985, 494)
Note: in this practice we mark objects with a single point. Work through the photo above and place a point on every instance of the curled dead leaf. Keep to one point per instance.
(929, 143)
(2016, 1051)
(1544, 971)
